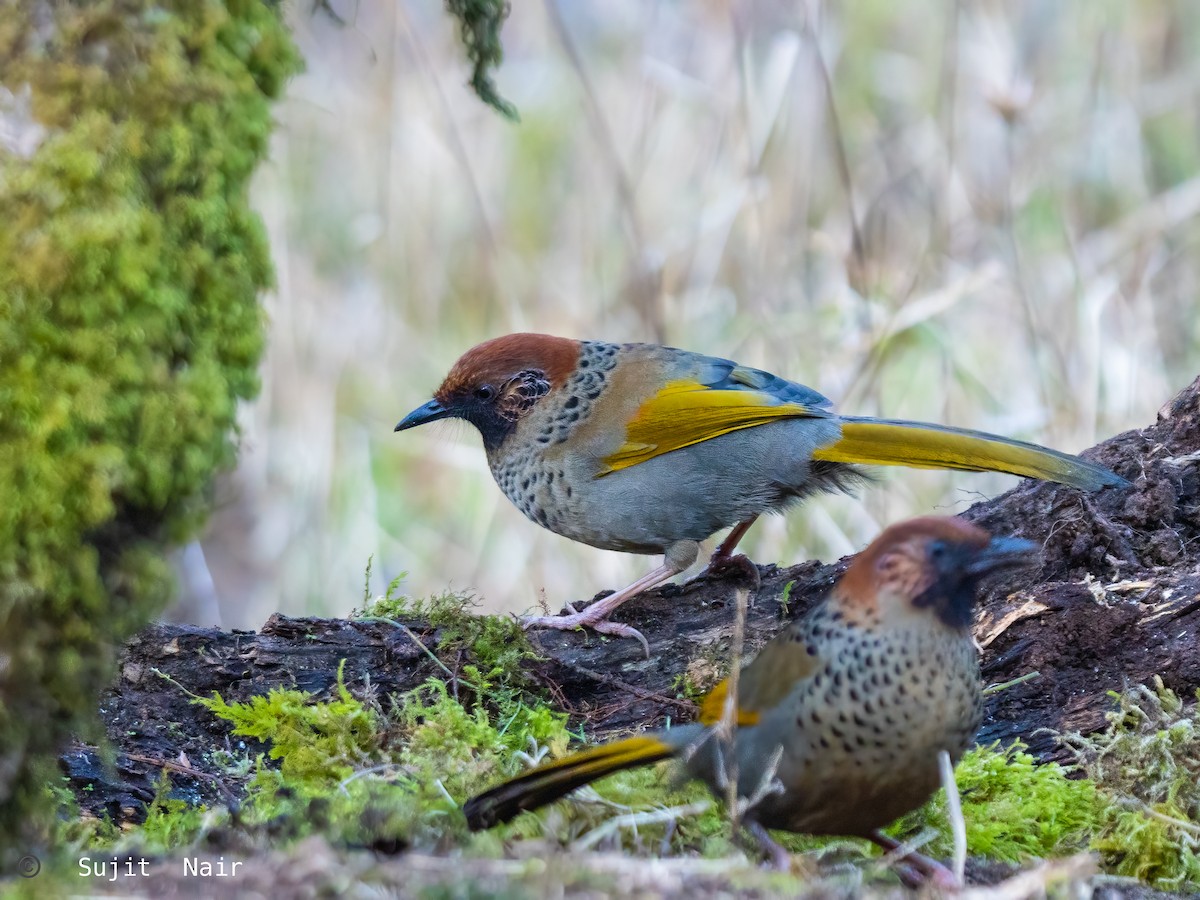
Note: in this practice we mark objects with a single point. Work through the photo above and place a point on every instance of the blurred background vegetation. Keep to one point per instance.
(973, 212)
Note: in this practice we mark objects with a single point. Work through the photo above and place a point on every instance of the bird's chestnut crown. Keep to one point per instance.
(495, 384)
(933, 563)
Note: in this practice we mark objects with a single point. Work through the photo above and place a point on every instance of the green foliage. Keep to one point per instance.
(497, 644)
(369, 777)
(1139, 804)
(1147, 766)
(1014, 808)
(73, 830)
(169, 823)
(452, 752)
(315, 741)
(130, 264)
(785, 599)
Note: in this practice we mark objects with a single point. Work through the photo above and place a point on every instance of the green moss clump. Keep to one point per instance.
(169, 822)
(315, 741)
(453, 751)
(392, 774)
(366, 776)
(1138, 804)
(1146, 764)
(479, 27)
(1014, 808)
(130, 265)
(497, 644)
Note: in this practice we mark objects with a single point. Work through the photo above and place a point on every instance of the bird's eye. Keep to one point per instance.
(485, 392)
(937, 551)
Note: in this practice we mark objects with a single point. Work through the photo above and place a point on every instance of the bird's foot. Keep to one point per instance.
(586, 619)
(738, 566)
(933, 873)
(918, 870)
(781, 860)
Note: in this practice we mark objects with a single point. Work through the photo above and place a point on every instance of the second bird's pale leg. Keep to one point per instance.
(679, 556)
(935, 873)
(781, 860)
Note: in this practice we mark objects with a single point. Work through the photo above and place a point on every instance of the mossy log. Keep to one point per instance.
(1116, 600)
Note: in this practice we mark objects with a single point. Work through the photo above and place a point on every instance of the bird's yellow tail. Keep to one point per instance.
(547, 783)
(892, 442)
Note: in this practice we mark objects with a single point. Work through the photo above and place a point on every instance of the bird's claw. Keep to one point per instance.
(583, 620)
(917, 870)
(780, 859)
(739, 566)
(618, 629)
(927, 873)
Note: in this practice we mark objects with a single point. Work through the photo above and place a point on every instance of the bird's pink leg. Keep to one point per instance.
(723, 562)
(727, 546)
(679, 556)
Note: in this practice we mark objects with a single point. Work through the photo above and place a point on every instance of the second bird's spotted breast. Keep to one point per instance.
(869, 726)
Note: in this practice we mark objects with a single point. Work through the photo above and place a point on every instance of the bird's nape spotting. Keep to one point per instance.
(650, 449)
(846, 709)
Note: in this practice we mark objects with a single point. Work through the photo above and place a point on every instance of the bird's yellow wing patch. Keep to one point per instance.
(765, 682)
(687, 412)
(712, 707)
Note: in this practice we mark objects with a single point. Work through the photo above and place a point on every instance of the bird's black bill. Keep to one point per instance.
(961, 567)
(430, 412)
(1002, 554)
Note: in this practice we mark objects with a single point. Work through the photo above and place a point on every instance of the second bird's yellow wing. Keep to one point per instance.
(763, 684)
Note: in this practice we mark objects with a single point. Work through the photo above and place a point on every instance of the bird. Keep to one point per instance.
(840, 718)
(650, 449)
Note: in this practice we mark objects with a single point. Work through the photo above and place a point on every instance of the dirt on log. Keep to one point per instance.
(1116, 600)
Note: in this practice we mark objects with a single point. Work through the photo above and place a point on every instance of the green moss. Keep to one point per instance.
(1146, 764)
(130, 265)
(1139, 804)
(453, 751)
(497, 644)
(479, 27)
(169, 822)
(1014, 808)
(73, 830)
(391, 773)
(315, 741)
(366, 776)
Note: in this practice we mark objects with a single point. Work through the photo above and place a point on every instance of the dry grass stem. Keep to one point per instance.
(958, 826)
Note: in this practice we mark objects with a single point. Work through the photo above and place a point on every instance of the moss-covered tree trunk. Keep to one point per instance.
(130, 266)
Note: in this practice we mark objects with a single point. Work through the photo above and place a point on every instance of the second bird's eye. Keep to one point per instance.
(485, 392)
(937, 550)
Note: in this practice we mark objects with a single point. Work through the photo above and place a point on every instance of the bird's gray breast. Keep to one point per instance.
(534, 467)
